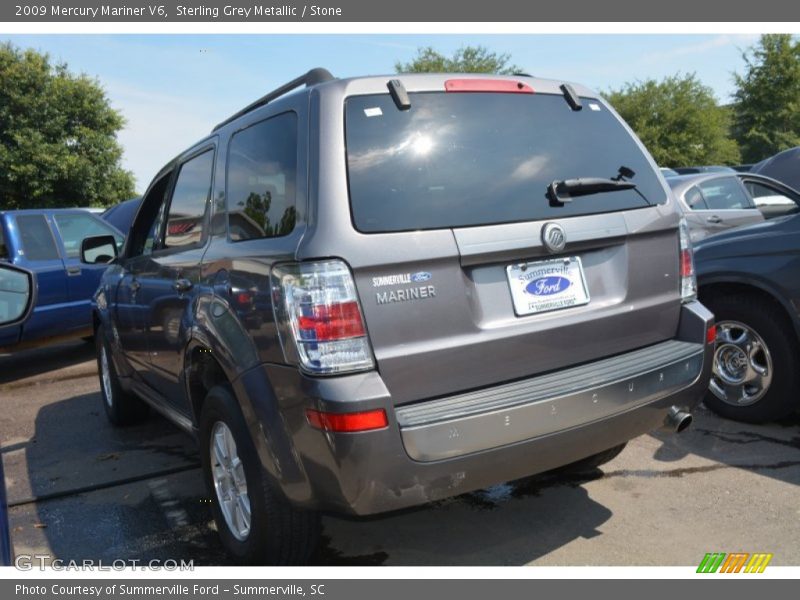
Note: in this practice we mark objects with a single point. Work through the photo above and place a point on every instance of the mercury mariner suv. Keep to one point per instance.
(378, 292)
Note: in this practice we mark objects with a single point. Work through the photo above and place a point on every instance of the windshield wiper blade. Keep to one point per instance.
(561, 192)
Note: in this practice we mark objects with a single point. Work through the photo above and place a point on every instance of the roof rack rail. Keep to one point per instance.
(313, 77)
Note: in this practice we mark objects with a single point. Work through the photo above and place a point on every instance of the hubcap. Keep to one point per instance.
(742, 365)
(229, 481)
(105, 376)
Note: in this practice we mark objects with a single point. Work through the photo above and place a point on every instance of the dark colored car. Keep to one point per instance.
(750, 279)
(378, 292)
(772, 197)
(47, 242)
(784, 166)
(121, 215)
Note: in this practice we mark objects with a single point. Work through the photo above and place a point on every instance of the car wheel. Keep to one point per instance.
(122, 408)
(755, 374)
(590, 463)
(256, 523)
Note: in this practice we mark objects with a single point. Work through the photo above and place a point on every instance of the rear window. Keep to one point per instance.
(460, 160)
(37, 238)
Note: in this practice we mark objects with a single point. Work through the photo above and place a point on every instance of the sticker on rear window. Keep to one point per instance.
(594, 106)
(373, 112)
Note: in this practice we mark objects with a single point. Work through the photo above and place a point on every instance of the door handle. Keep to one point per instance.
(135, 285)
(714, 219)
(182, 285)
(73, 271)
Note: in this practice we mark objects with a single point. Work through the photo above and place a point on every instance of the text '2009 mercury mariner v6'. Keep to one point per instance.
(378, 292)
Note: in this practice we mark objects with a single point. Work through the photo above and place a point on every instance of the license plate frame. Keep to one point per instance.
(548, 285)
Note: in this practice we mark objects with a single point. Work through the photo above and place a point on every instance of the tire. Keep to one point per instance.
(278, 533)
(122, 408)
(768, 326)
(590, 463)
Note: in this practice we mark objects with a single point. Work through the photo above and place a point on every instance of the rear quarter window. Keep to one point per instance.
(262, 176)
(460, 160)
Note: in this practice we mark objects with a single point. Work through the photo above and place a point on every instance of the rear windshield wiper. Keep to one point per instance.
(561, 192)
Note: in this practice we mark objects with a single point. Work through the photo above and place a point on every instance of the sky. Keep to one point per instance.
(172, 89)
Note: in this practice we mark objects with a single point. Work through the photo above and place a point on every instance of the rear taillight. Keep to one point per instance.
(688, 277)
(319, 317)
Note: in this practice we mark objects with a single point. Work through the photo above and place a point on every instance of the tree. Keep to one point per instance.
(767, 106)
(467, 59)
(58, 144)
(679, 121)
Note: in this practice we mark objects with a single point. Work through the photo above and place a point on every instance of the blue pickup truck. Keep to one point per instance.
(47, 243)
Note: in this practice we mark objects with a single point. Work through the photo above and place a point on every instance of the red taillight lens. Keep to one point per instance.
(687, 276)
(503, 86)
(711, 335)
(333, 321)
(319, 317)
(687, 264)
(347, 422)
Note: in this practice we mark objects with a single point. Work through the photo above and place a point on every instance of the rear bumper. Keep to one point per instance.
(441, 448)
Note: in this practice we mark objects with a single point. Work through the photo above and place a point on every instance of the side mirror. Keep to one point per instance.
(99, 249)
(17, 295)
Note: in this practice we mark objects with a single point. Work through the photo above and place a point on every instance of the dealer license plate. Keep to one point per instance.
(546, 285)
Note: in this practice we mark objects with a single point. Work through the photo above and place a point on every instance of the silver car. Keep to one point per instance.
(714, 202)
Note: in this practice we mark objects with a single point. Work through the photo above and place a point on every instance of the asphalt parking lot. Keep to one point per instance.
(80, 489)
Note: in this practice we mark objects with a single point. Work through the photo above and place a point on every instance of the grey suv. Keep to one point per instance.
(378, 292)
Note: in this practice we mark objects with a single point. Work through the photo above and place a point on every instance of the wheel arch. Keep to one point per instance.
(721, 286)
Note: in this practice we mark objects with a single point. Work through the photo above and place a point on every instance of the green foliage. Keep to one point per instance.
(767, 107)
(467, 59)
(679, 121)
(58, 144)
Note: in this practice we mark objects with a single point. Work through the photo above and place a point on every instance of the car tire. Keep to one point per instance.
(277, 533)
(122, 408)
(590, 463)
(771, 327)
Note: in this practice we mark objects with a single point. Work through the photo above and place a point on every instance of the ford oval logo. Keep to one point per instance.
(420, 277)
(547, 286)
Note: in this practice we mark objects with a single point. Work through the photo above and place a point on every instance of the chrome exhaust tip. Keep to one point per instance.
(677, 420)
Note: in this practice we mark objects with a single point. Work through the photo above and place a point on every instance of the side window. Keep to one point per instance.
(36, 237)
(694, 199)
(770, 201)
(262, 172)
(187, 210)
(75, 227)
(724, 193)
(146, 226)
